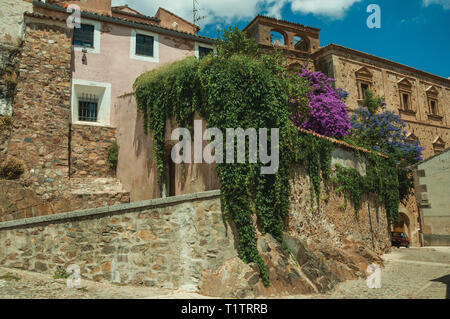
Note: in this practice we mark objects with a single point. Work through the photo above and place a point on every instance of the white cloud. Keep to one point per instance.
(330, 8)
(444, 3)
(228, 11)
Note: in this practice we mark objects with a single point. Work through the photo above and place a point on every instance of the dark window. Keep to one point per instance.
(84, 36)
(144, 45)
(433, 107)
(405, 101)
(202, 52)
(87, 111)
(364, 87)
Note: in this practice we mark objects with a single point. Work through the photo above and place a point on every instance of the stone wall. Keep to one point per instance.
(12, 20)
(89, 146)
(12, 28)
(9, 58)
(42, 107)
(43, 138)
(186, 242)
(17, 201)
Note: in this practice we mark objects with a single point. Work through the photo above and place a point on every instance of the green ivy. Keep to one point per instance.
(113, 155)
(381, 179)
(238, 91)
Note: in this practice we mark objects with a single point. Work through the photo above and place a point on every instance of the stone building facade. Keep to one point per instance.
(183, 242)
(420, 98)
(429, 176)
(52, 78)
(46, 76)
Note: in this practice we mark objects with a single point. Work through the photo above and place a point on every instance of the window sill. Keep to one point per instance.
(435, 117)
(145, 58)
(97, 124)
(407, 112)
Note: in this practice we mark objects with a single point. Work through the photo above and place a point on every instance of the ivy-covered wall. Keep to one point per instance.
(331, 224)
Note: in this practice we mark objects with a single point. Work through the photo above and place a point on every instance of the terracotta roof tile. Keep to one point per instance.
(341, 143)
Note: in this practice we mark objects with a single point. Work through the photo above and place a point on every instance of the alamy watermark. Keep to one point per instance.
(259, 143)
(74, 280)
(74, 19)
(374, 279)
(374, 20)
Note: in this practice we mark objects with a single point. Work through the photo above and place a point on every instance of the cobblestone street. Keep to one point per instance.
(422, 273)
(414, 273)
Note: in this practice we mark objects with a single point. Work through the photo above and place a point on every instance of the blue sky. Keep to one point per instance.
(413, 32)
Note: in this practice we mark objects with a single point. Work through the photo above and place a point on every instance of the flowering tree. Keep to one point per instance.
(327, 113)
(384, 132)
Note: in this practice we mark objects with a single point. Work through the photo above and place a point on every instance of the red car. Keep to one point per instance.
(400, 240)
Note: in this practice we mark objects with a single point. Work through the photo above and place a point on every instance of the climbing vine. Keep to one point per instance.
(240, 91)
(381, 179)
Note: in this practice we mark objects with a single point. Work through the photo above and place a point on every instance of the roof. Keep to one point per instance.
(341, 143)
(135, 13)
(120, 8)
(259, 16)
(170, 12)
(42, 16)
(429, 159)
(341, 48)
(129, 23)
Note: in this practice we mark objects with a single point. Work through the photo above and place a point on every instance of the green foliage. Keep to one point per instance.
(233, 41)
(113, 155)
(238, 89)
(371, 101)
(61, 273)
(381, 179)
(9, 276)
(11, 168)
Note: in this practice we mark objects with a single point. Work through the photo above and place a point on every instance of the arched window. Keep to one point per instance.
(301, 43)
(277, 38)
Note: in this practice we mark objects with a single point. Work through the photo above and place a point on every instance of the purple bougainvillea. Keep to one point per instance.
(328, 113)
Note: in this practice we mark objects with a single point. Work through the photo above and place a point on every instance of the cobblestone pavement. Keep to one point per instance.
(414, 273)
(408, 273)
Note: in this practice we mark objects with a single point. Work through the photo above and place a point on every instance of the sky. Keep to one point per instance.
(413, 32)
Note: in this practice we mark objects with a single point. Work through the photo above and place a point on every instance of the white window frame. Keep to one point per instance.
(134, 56)
(97, 27)
(103, 90)
(204, 45)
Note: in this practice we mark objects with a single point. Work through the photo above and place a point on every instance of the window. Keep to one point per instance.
(202, 51)
(84, 36)
(433, 107)
(438, 145)
(363, 81)
(277, 38)
(87, 37)
(301, 44)
(144, 45)
(87, 108)
(364, 88)
(433, 104)
(91, 103)
(405, 101)
(405, 87)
